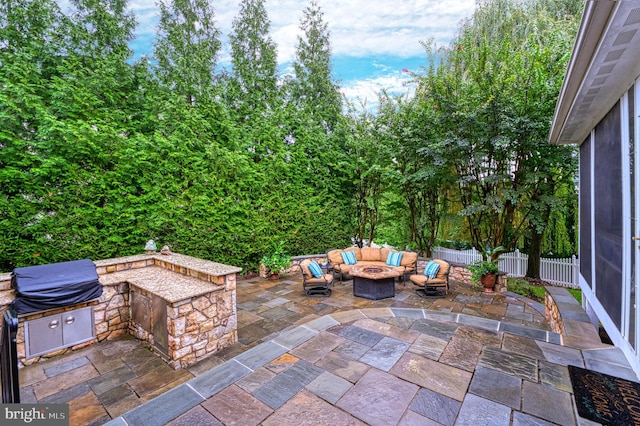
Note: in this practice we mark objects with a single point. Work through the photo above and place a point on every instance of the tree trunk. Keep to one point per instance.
(535, 248)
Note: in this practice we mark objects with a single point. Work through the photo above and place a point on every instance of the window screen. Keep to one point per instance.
(607, 186)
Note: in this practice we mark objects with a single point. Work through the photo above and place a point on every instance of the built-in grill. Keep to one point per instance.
(57, 285)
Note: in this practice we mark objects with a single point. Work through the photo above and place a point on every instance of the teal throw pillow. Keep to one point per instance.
(315, 269)
(431, 270)
(394, 258)
(349, 257)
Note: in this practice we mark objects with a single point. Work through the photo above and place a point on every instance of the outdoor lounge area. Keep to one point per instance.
(342, 359)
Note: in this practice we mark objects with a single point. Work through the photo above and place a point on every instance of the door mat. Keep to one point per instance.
(605, 399)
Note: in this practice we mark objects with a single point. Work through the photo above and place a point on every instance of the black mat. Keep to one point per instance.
(605, 399)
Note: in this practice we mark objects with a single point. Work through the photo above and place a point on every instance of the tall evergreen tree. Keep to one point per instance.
(98, 51)
(89, 129)
(187, 47)
(314, 88)
(254, 59)
(26, 30)
(315, 119)
(69, 88)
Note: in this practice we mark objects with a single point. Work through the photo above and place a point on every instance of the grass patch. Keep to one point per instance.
(524, 288)
(534, 289)
(576, 293)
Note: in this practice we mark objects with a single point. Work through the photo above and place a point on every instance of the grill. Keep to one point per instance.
(9, 359)
(56, 285)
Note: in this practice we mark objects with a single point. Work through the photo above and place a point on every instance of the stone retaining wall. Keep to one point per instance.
(567, 318)
(295, 261)
(461, 273)
(552, 313)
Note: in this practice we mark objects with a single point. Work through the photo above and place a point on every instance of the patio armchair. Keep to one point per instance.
(318, 284)
(431, 285)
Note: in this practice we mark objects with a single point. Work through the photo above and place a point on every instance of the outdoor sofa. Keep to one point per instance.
(405, 262)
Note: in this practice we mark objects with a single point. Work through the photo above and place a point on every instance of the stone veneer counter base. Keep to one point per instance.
(198, 316)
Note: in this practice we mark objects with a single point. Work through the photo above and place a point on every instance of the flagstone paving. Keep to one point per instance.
(470, 358)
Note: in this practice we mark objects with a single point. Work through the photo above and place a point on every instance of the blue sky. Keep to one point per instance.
(372, 40)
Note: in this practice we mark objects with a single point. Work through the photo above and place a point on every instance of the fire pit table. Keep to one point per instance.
(374, 282)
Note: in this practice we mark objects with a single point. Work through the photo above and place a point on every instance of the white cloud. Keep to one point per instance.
(358, 27)
(366, 91)
(391, 27)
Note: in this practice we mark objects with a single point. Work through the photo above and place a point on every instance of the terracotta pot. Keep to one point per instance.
(275, 276)
(488, 282)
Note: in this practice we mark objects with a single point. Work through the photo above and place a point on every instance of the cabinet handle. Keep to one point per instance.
(54, 324)
(70, 320)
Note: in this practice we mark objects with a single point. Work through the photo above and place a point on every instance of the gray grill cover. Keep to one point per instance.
(55, 285)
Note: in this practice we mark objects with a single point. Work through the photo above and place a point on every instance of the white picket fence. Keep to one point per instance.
(560, 272)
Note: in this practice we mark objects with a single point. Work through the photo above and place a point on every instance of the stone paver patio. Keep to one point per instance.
(470, 358)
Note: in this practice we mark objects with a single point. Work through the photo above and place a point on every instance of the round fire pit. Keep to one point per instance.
(373, 281)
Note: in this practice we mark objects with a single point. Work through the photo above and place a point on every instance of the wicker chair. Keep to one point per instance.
(433, 287)
(315, 286)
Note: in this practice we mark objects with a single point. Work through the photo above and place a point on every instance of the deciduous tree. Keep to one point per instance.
(495, 90)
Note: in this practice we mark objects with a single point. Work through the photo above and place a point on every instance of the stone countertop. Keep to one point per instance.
(171, 286)
(196, 264)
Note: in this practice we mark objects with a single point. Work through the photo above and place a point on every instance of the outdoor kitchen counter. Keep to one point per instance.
(166, 284)
(182, 306)
(179, 261)
(175, 277)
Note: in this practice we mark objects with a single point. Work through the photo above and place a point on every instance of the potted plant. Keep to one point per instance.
(485, 272)
(276, 262)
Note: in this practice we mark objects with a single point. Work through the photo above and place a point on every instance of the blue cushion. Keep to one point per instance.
(315, 269)
(394, 258)
(431, 270)
(349, 257)
(390, 258)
